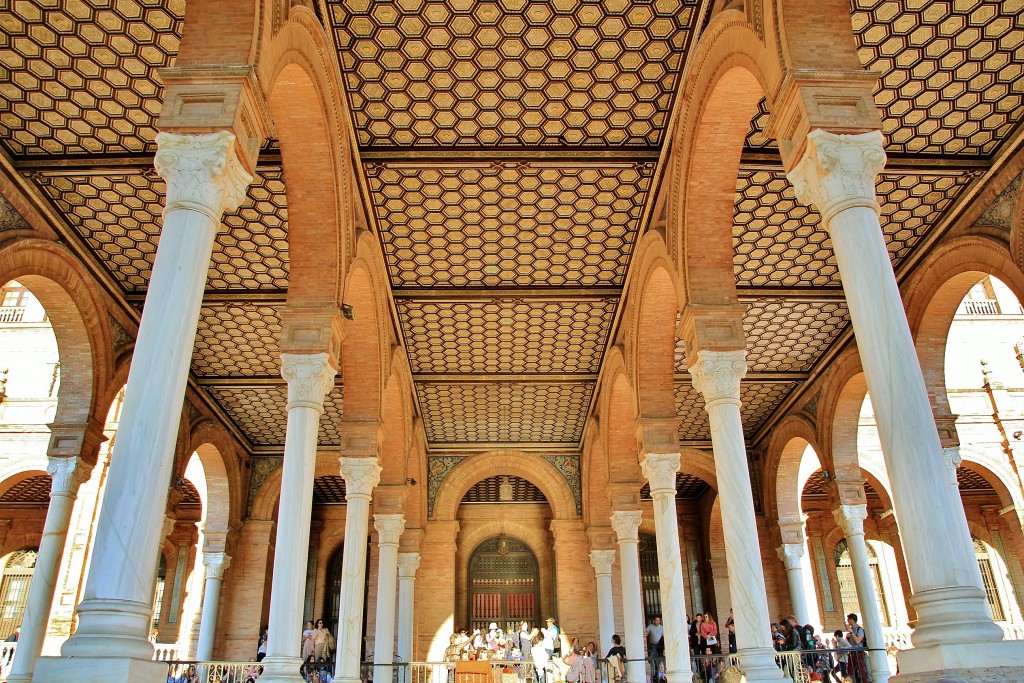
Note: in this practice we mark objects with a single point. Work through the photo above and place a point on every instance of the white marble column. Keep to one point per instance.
(851, 519)
(602, 561)
(836, 174)
(792, 555)
(389, 532)
(717, 375)
(660, 470)
(111, 644)
(408, 563)
(310, 378)
(361, 475)
(66, 475)
(216, 564)
(626, 524)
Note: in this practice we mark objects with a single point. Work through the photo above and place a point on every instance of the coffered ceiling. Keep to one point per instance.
(510, 151)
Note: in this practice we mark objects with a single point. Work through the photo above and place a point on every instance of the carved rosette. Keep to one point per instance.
(851, 518)
(660, 470)
(717, 375)
(310, 377)
(626, 524)
(408, 563)
(361, 475)
(203, 172)
(791, 554)
(216, 564)
(389, 528)
(602, 561)
(838, 172)
(66, 475)
(952, 458)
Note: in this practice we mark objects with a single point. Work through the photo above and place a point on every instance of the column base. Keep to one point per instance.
(956, 614)
(100, 670)
(758, 664)
(281, 670)
(1002, 661)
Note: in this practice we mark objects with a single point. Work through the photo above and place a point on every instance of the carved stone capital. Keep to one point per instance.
(216, 564)
(952, 459)
(791, 554)
(310, 377)
(717, 375)
(408, 563)
(837, 172)
(851, 518)
(626, 524)
(389, 528)
(66, 475)
(203, 172)
(602, 561)
(361, 475)
(660, 470)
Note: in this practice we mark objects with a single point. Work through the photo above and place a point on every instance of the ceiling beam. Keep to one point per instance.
(499, 378)
(240, 382)
(107, 164)
(460, 294)
(809, 294)
(467, 447)
(756, 377)
(263, 296)
(920, 164)
(586, 156)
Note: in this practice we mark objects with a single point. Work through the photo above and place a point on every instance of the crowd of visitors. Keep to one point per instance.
(838, 657)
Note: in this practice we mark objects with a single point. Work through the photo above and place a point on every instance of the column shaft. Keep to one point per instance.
(626, 523)
(602, 561)
(216, 564)
(407, 565)
(389, 531)
(717, 374)
(660, 470)
(851, 519)
(791, 555)
(66, 474)
(361, 475)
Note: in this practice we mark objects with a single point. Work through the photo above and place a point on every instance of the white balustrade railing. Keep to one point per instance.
(166, 652)
(11, 314)
(979, 307)
(6, 658)
(214, 672)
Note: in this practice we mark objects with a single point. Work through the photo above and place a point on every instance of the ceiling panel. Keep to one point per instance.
(790, 335)
(508, 224)
(504, 412)
(688, 487)
(237, 339)
(80, 77)
(489, 491)
(119, 217)
(757, 402)
(261, 412)
(329, 490)
(506, 335)
(510, 72)
(778, 241)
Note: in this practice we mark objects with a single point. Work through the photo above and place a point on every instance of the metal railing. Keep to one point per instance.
(214, 672)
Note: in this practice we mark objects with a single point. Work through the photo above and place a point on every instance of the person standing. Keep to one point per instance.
(552, 637)
(709, 633)
(616, 659)
(322, 641)
(857, 661)
(308, 648)
(261, 646)
(655, 640)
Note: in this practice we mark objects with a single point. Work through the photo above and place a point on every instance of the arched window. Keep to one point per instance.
(14, 588)
(650, 579)
(158, 591)
(848, 587)
(988, 580)
(504, 584)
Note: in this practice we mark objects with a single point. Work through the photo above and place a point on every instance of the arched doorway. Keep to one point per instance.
(504, 584)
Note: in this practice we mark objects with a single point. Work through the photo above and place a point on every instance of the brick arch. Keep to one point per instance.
(533, 468)
(13, 473)
(1017, 231)
(594, 472)
(396, 417)
(366, 352)
(700, 464)
(785, 453)
(416, 501)
(619, 407)
(995, 473)
(299, 69)
(731, 70)
(265, 504)
(58, 279)
(216, 451)
(842, 412)
(652, 313)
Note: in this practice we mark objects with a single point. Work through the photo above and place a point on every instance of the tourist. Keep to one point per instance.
(324, 669)
(552, 637)
(709, 634)
(261, 646)
(695, 648)
(616, 659)
(730, 630)
(840, 665)
(308, 648)
(541, 658)
(857, 661)
(655, 639)
(323, 641)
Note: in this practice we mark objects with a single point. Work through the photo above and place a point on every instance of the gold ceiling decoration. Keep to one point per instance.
(261, 413)
(237, 340)
(791, 335)
(758, 401)
(80, 77)
(511, 72)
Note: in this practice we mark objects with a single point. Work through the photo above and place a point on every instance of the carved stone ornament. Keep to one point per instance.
(791, 554)
(389, 528)
(408, 563)
(66, 474)
(626, 523)
(310, 377)
(851, 518)
(602, 561)
(216, 564)
(838, 172)
(660, 470)
(361, 475)
(952, 459)
(717, 375)
(202, 171)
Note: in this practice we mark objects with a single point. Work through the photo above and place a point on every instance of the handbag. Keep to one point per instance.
(712, 640)
(331, 644)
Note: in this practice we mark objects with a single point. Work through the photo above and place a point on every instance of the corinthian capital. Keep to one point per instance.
(361, 475)
(216, 564)
(66, 474)
(389, 528)
(626, 523)
(790, 554)
(602, 561)
(838, 172)
(717, 375)
(851, 518)
(660, 470)
(408, 563)
(310, 376)
(202, 171)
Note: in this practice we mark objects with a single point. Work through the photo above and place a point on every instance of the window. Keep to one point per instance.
(14, 589)
(15, 297)
(158, 591)
(848, 586)
(988, 580)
